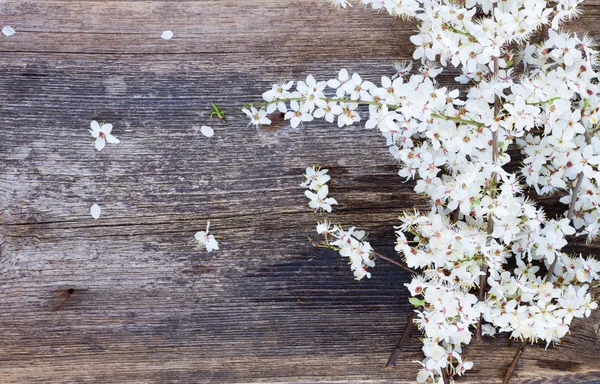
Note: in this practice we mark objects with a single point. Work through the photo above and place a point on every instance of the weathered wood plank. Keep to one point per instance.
(259, 28)
(146, 306)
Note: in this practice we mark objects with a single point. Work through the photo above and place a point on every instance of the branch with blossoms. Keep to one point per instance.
(485, 258)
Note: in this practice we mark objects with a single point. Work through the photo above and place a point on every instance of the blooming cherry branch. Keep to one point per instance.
(489, 259)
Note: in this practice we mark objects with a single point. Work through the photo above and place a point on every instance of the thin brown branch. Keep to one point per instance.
(391, 363)
(574, 196)
(456, 215)
(328, 246)
(513, 364)
(445, 376)
(395, 262)
(490, 219)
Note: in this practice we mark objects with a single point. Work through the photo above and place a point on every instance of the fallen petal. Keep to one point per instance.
(8, 31)
(166, 35)
(95, 211)
(207, 131)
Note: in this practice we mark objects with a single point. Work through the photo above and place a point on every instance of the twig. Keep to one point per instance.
(574, 196)
(375, 253)
(456, 214)
(490, 223)
(395, 262)
(513, 364)
(445, 375)
(391, 363)
(458, 120)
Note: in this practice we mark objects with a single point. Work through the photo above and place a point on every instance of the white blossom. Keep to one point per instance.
(102, 134)
(257, 117)
(204, 240)
(319, 200)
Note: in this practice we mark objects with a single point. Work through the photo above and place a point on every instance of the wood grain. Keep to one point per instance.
(128, 298)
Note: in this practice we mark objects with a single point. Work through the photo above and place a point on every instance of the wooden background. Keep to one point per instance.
(146, 305)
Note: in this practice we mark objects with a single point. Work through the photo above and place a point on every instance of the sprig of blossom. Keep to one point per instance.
(316, 182)
(350, 244)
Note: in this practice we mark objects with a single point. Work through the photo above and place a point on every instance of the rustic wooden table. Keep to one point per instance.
(128, 298)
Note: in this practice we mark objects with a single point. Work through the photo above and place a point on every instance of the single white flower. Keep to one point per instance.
(402, 68)
(329, 112)
(95, 211)
(102, 134)
(279, 91)
(207, 131)
(320, 201)
(257, 117)
(167, 35)
(349, 114)
(338, 83)
(205, 240)
(8, 31)
(297, 115)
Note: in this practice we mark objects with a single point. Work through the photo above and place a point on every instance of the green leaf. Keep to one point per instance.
(416, 302)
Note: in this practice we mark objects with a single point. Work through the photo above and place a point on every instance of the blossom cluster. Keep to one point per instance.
(316, 182)
(350, 244)
(521, 301)
(469, 34)
(490, 260)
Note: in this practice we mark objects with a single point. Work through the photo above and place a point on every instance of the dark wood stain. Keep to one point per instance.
(266, 307)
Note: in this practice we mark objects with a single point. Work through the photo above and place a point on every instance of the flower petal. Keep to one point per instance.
(167, 35)
(100, 143)
(8, 31)
(95, 211)
(111, 139)
(106, 128)
(207, 131)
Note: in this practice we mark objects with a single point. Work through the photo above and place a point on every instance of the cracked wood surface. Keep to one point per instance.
(128, 298)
